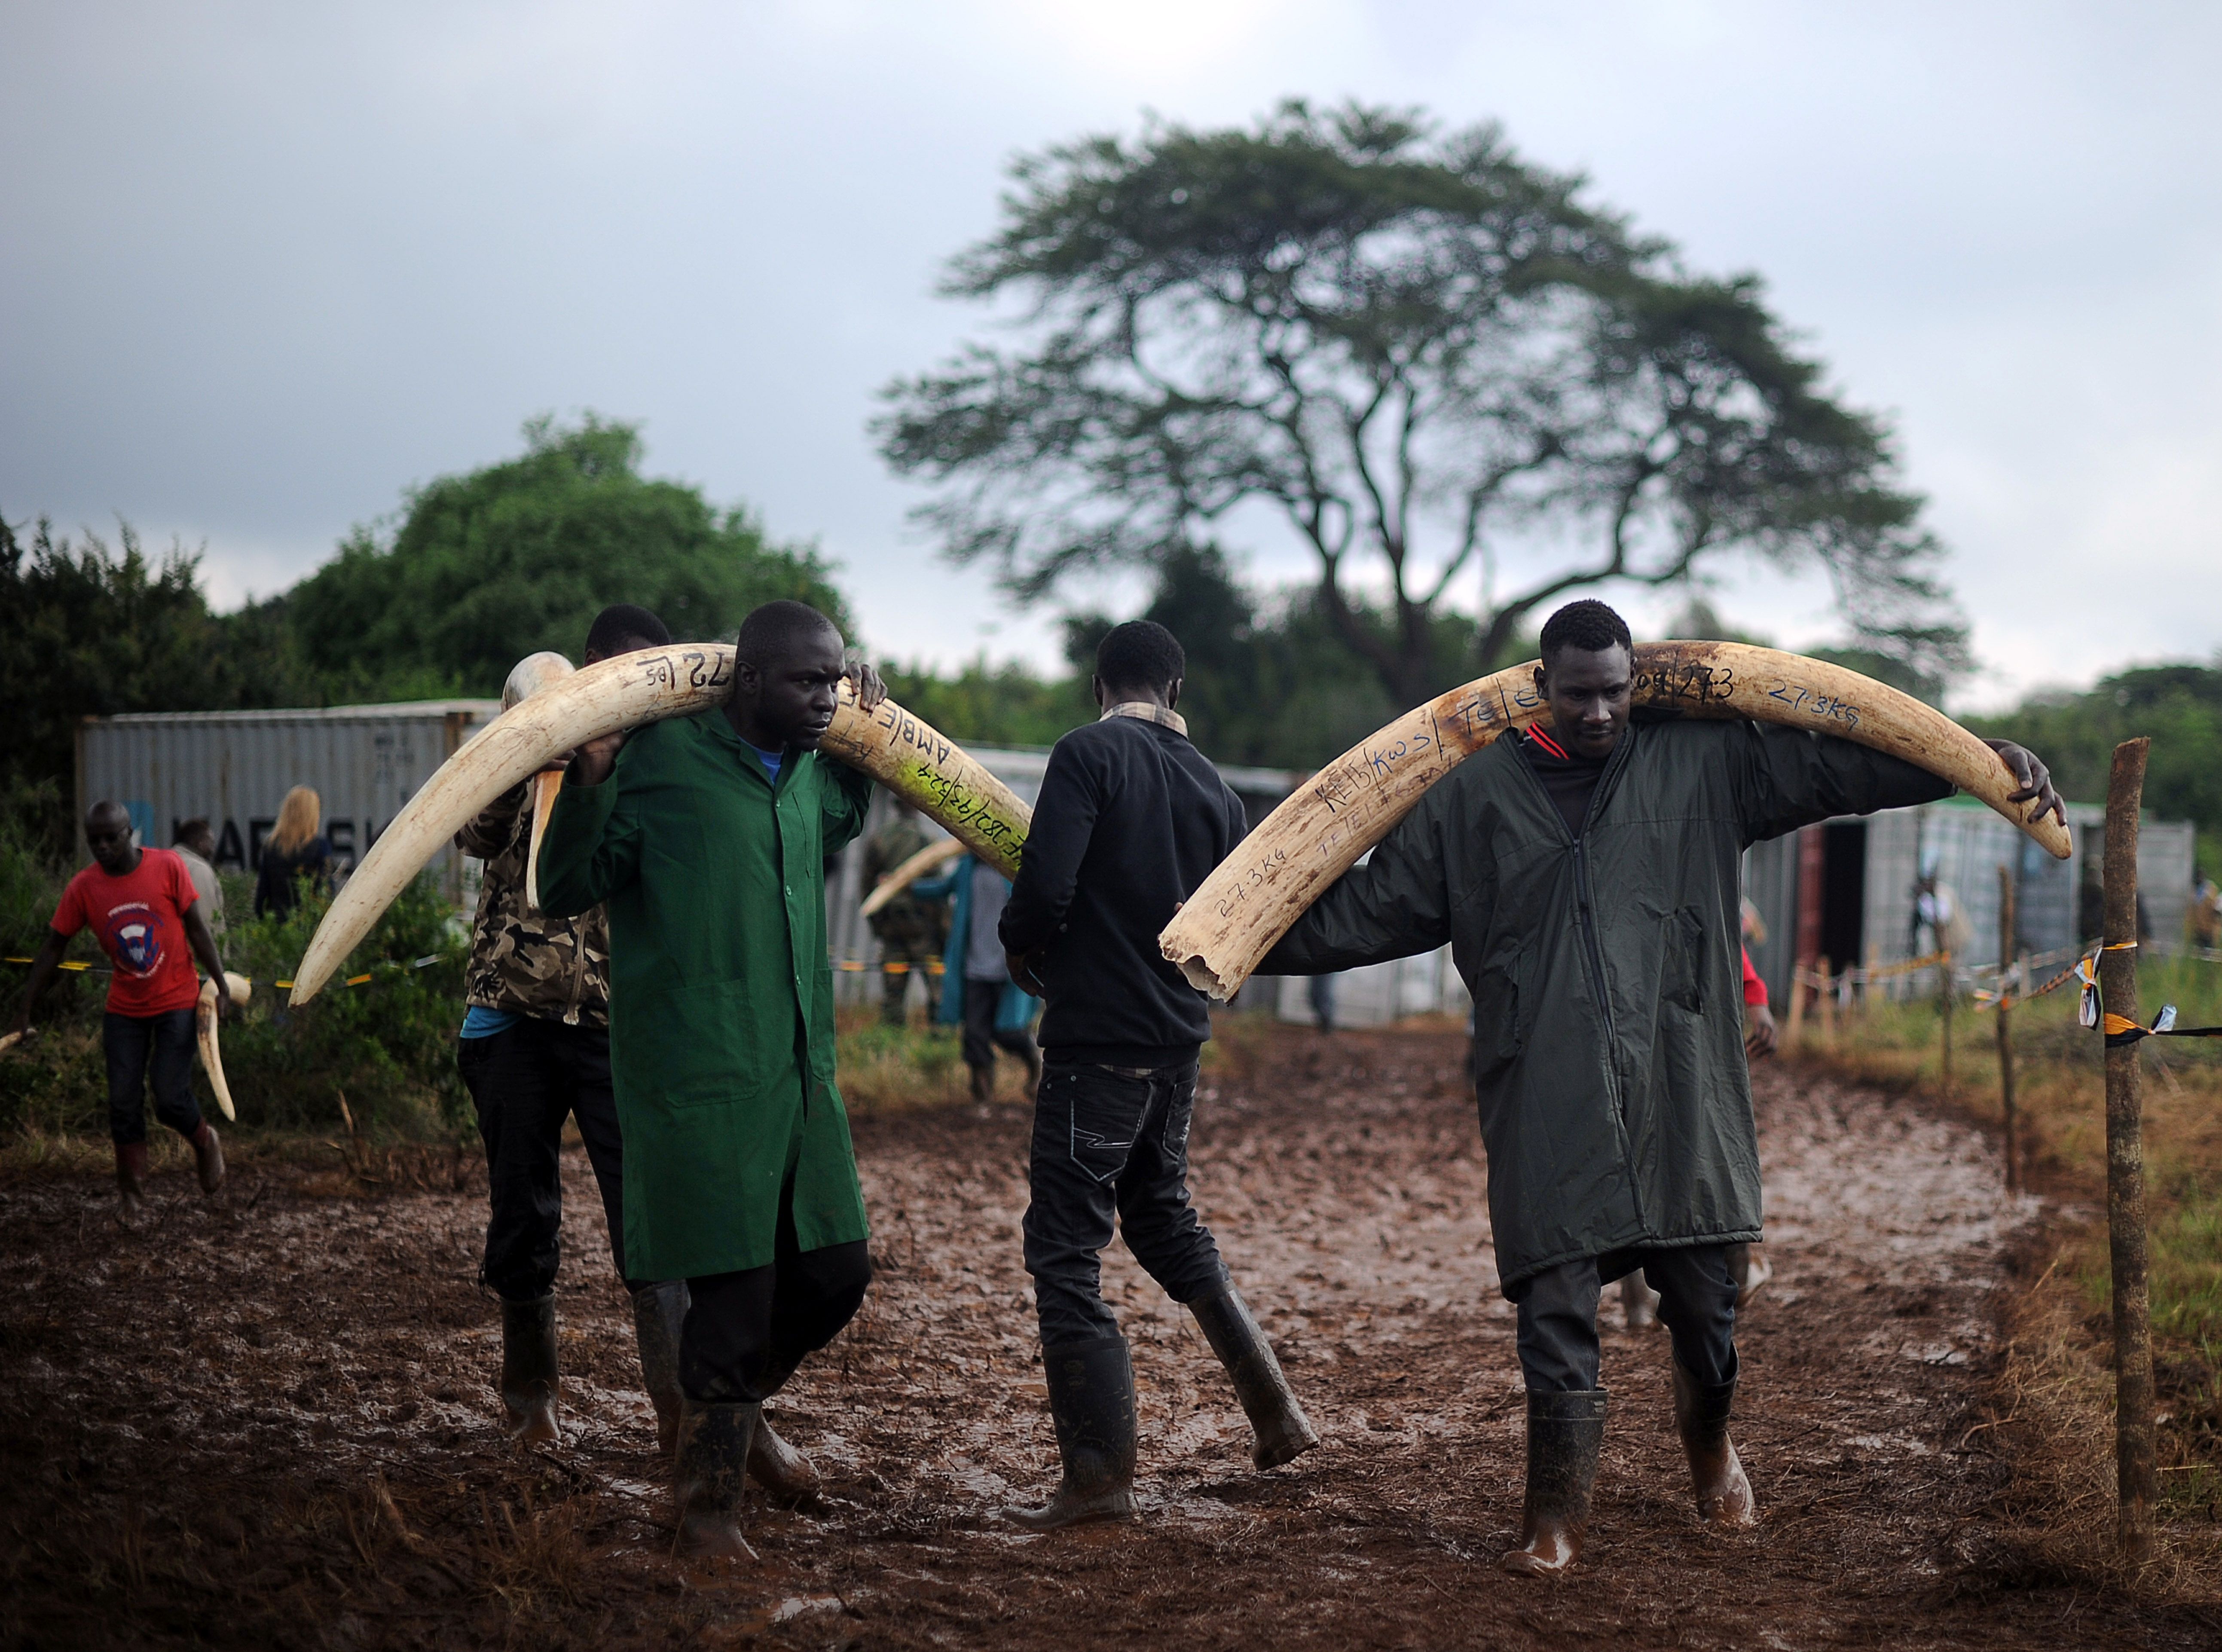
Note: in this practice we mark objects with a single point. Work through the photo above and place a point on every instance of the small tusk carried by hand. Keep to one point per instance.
(545, 785)
(238, 988)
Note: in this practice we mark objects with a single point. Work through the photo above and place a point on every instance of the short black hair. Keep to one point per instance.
(186, 831)
(625, 621)
(1588, 625)
(770, 630)
(1140, 654)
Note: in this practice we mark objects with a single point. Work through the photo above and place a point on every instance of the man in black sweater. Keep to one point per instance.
(1131, 818)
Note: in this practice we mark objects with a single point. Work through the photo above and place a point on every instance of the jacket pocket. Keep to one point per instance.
(702, 1054)
(1498, 1034)
(1682, 965)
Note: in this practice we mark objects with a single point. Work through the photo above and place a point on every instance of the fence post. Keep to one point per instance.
(2135, 1473)
(2006, 1031)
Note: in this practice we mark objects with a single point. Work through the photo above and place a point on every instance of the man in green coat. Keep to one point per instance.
(1587, 878)
(704, 837)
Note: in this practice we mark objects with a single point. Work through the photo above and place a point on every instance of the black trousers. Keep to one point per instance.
(745, 1333)
(981, 1036)
(525, 1080)
(1557, 1334)
(135, 1047)
(1112, 1141)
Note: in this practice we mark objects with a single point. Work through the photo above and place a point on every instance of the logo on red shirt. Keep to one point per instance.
(135, 938)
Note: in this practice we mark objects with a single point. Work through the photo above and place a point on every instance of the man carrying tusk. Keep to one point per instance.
(1132, 818)
(535, 1049)
(705, 837)
(144, 912)
(1587, 877)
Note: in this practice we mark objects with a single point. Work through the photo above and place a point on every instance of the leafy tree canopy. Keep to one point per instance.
(1408, 345)
(497, 563)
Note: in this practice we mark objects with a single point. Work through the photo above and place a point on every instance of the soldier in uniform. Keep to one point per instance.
(912, 928)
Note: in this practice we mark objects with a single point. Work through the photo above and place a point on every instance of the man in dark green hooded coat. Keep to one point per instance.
(706, 837)
(1586, 876)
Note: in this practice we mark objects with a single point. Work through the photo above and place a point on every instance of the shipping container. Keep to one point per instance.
(235, 768)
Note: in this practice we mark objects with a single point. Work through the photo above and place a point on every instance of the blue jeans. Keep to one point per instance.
(1112, 1142)
(137, 1044)
(1557, 1334)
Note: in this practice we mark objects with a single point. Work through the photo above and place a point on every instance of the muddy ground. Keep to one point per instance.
(272, 1423)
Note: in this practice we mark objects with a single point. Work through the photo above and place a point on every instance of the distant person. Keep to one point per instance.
(534, 1050)
(296, 851)
(977, 993)
(1320, 989)
(912, 927)
(194, 844)
(2205, 914)
(144, 912)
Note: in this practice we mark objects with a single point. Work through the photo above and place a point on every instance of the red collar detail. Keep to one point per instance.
(1536, 734)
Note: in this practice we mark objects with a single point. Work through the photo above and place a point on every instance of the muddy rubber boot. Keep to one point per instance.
(1565, 1432)
(1748, 1266)
(1091, 1400)
(774, 1464)
(208, 1157)
(1283, 1430)
(658, 1311)
(708, 1474)
(530, 1386)
(983, 1083)
(1701, 1417)
(1639, 1302)
(131, 1176)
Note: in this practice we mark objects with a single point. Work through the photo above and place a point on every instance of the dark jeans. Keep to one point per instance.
(1112, 1140)
(746, 1332)
(1558, 1314)
(135, 1044)
(525, 1081)
(981, 1036)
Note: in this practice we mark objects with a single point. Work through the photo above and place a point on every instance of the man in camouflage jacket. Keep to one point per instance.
(911, 930)
(536, 1050)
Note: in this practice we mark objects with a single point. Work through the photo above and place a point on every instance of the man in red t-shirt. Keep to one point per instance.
(141, 907)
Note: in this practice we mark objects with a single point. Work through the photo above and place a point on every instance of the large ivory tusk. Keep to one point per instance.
(905, 754)
(9, 1041)
(211, 1057)
(1253, 897)
(927, 859)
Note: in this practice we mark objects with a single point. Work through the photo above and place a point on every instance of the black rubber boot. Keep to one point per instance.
(1701, 1417)
(131, 1176)
(208, 1159)
(1283, 1430)
(1565, 1432)
(707, 1476)
(530, 1386)
(658, 1311)
(1091, 1400)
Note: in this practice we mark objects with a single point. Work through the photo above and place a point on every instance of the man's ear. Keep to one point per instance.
(1542, 682)
(1095, 688)
(1172, 695)
(745, 676)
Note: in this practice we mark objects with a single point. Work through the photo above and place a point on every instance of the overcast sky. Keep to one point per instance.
(264, 268)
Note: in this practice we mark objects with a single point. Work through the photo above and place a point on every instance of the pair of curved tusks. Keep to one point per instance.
(211, 1058)
(1256, 893)
(901, 750)
(930, 858)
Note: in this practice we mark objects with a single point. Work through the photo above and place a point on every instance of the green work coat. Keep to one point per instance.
(1606, 973)
(721, 997)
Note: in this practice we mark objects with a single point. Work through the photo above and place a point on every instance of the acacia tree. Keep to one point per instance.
(1414, 348)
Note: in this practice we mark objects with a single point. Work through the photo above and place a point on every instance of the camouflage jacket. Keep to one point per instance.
(904, 919)
(525, 962)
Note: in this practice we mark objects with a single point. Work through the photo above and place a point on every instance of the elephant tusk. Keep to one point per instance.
(9, 1041)
(211, 1057)
(545, 785)
(907, 755)
(1255, 895)
(934, 856)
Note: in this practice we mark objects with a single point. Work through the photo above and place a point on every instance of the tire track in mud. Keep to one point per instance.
(273, 1423)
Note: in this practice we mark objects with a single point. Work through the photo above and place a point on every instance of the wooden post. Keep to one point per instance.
(2006, 1031)
(1794, 1023)
(2134, 1470)
(1826, 1003)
